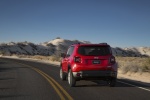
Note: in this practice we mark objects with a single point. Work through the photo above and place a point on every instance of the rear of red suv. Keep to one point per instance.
(89, 62)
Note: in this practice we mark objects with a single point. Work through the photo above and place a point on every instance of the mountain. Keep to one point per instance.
(132, 52)
(58, 45)
(53, 47)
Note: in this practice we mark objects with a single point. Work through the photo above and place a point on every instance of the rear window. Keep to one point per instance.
(94, 50)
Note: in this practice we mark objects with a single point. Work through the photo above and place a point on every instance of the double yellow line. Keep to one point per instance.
(57, 87)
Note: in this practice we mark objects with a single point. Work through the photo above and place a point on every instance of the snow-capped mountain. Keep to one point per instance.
(58, 45)
(132, 51)
(53, 47)
(25, 48)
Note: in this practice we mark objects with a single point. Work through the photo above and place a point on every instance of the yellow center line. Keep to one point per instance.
(53, 85)
(51, 81)
(61, 88)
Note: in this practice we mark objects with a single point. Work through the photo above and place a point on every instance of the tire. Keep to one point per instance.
(71, 79)
(62, 75)
(112, 82)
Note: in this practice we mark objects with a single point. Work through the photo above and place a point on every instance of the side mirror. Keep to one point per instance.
(63, 55)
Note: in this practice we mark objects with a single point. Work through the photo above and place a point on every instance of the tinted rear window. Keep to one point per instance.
(94, 50)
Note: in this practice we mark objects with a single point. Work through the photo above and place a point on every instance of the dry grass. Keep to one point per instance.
(133, 64)
(126, 64)
(39, 57)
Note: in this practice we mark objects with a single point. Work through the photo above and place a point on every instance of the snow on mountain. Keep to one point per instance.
(65, 42)
(132, 51)
(58, 45)
(53, 47)
(61, 45)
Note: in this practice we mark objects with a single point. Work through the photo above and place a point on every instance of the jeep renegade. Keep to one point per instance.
(88, 62)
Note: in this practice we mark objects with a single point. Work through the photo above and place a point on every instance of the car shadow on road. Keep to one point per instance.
(131, 83)
(119, 83)
(90, 85)
(93, 83)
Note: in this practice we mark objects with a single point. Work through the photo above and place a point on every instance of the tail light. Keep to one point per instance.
(77, 59)
(112, 60)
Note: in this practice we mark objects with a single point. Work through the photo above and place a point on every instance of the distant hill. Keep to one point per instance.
(56, 46)
(132, 52)
(53, 47)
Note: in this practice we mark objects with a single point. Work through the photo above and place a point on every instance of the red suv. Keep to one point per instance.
(88, 62)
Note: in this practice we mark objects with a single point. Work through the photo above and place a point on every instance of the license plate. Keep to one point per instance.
(96, 61)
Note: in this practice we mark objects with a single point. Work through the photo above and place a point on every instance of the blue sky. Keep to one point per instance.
(122, 23)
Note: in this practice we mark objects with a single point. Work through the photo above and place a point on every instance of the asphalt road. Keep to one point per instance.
(27, 80)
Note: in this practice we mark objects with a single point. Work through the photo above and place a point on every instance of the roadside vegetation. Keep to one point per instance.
(39, 57)
(133, 64)
(125, 64)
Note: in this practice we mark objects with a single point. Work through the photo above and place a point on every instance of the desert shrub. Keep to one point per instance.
(133, 64)
(1, 52)
(146, 66)
(54, 58)
(130, 67)
(39, 57)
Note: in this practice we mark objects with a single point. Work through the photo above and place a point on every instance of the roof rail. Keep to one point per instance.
(77, 43)
(104, 43)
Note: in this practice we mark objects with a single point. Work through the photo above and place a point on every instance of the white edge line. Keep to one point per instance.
(134, 86)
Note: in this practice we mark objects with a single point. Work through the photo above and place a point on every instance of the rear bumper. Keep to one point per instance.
(85, 75)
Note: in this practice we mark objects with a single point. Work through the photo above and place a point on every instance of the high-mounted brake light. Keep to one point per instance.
(77, 59)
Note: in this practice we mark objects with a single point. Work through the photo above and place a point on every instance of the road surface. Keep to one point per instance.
(28, 80)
